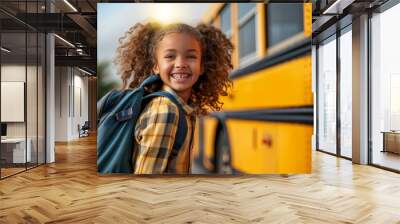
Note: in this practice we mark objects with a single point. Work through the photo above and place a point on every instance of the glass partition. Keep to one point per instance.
(13, 94)
(31, 98)
(22, 90)
(327, 95)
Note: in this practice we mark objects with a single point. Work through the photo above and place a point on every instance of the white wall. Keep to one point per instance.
(71, 94)
(12, 73)
(62, 81)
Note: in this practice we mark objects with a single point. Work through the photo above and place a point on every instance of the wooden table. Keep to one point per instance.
(391, 141)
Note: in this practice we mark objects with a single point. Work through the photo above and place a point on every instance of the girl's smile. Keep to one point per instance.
(181, 77)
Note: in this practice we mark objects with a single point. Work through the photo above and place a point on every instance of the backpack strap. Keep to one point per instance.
(114, 96)
(182, 125)
(149, 80)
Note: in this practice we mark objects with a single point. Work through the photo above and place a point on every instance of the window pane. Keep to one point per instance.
(284, 20)
(31, 97)
(244, 8)
(385, 88)
(327, 97)
(226, 19)
(247, 38)
(346, 94)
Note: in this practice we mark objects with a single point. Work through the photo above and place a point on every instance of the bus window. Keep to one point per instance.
(226, 20)
(280, 26)
(245, 8)
(247, 32)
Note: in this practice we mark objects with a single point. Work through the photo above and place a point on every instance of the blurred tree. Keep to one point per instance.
(104, 82)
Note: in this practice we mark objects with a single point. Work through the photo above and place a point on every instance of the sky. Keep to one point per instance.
(114, 19)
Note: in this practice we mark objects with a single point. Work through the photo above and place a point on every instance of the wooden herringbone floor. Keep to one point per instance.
(70, 191)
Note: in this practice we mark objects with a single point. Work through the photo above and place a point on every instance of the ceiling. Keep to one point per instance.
(332, 15)
(74, 22)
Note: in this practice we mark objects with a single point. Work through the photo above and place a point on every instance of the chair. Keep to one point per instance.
(84, 130)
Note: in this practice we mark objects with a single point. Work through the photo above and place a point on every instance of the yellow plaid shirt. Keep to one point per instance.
(155, 132)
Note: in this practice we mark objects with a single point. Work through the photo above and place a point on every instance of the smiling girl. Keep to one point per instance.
(193, 64)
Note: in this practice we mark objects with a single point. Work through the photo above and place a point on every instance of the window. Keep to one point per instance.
(226, 20)
(245, 8)
(394, 102)
(247, 33)
(385, 88)
(284, 20)
(346, 93)
(335, 94)
(246, 37)
(327, 96)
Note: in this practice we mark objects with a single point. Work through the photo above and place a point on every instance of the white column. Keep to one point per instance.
(62, 103)
(360, 90)
(50, 94)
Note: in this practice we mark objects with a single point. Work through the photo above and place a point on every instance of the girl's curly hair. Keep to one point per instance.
(136, 57)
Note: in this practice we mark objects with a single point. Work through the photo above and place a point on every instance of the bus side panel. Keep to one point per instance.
(283, 85)
(246, 149)
(261, 147)
(296, 154)
(210, 125)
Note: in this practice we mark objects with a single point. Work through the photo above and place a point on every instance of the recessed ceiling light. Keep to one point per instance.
(5, 49)
(70, 5)
(64, 40)
(84, 71)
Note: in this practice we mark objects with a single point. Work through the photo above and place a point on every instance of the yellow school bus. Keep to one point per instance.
(266, 122)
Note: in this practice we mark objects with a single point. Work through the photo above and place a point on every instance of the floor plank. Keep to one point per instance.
(70, 191)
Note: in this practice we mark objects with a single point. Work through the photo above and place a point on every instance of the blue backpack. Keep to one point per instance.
(118, 112)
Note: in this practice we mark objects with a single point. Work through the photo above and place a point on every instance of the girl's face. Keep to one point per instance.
(178, 61)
